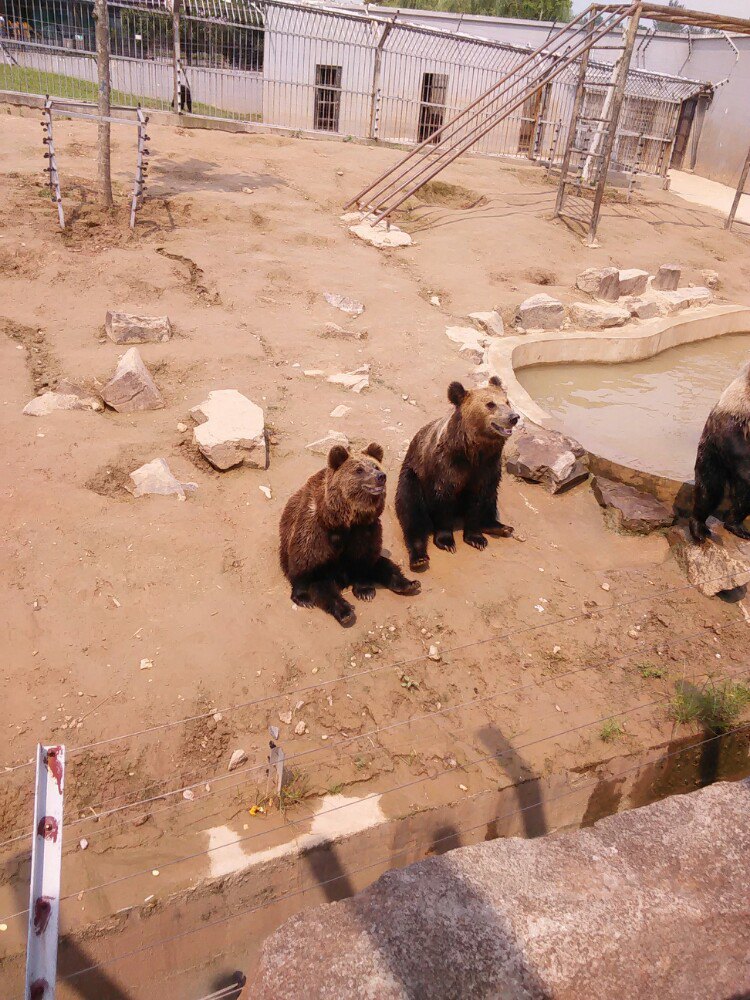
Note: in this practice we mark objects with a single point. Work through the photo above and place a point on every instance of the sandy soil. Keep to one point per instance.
(237, 242)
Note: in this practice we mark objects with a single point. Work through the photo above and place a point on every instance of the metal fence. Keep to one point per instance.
(313, 69)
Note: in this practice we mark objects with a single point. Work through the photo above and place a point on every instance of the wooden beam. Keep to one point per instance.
(740, 191)
(693, 18)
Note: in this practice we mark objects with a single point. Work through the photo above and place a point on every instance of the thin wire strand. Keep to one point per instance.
(385, 860)
(396, 788)
(363, 673)
(337, 746)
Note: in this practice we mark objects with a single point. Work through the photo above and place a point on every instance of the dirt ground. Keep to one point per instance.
(238, 240)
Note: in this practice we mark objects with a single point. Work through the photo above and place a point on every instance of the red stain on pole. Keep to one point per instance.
(42, 913)
(55, 767)
(37, 989)
(48, 828)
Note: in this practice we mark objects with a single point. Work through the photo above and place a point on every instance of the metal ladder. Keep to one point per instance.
(571, 44)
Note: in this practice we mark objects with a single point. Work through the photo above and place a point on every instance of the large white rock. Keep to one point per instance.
(541, 312)
(601, 282)
(471, 342)
(356, 380)
(127, 328)
(156, 477)
(67, 396)
(667, 278)
(684, 298)
(587, 316)
(231, 430)
(633, 281)
(490, 322)
(323, 445)
(381, 236)
(131, 388)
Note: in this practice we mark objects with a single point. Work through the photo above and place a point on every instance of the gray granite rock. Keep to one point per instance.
(539, 455)
(629, 510)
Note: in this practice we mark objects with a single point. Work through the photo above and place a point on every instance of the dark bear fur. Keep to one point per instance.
(331, 537)
(452, 471)
(722, 463)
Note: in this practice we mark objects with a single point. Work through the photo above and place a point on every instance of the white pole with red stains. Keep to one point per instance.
(46, 866)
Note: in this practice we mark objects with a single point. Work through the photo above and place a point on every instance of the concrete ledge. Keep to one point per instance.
(632, 343)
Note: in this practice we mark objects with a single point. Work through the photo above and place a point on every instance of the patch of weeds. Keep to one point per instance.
(294, 790)
(336, 789)
(648, 670)
(409, 683)
(360, 762)
(717, 706)
(610, 731)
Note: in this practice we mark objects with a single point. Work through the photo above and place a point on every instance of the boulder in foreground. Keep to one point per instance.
(649, 904)
(629, 510)
(588, 316)
(541, 312)
(539, 455)
(601, 282)
(230, 431)
(132, 388)
(721, 563)
(156, 478)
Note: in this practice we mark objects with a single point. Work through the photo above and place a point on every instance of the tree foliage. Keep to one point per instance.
(536, 10)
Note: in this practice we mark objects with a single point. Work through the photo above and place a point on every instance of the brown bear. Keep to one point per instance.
(331, 537)
(452, 470)
(723, 461)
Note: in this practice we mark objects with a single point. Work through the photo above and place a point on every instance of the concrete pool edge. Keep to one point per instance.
(631, 343)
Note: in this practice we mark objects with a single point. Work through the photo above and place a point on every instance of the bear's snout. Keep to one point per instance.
(513, 419)
(380, 477)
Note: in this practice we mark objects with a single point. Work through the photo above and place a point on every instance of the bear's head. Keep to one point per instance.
(356, 483)
(487, 418)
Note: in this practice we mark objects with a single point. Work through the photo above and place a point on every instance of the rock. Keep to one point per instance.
(472, 343)
(587, 316)
(332, 331)
(600, 912)
(642, 308)
(541, 312)
(301, 728)
(125, 328)
(285, 717)
(435, 300)
(684, 298)
(313, 373)
(340, 411)
(381, 236)
(238, 757)
(539, 455)
(711, 279)
(156, 477)
(434, 654)
(356, 380)
(230, 430)
(490, 322)
(67, 396)
(350, 306)
(667, 278)
(266, 491)
(627, 509)
(324, 444)
(131, 389)
(182, 428)
(721, 563)
(601, 282)
(633, 281)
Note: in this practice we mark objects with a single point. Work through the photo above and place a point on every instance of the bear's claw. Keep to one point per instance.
(476, 541)
(418, 564)
(363, 591)
(738, 530)
(408, 588)
(445, 541)
(499, 530)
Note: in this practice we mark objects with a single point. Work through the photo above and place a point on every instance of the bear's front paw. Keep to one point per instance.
(476, 539)
(302, 599)
(407, 588)
(419, 563)
(445, 541)
(344, 614)
(363, 591)
(698, 530)
(738, 530)
(499, 530)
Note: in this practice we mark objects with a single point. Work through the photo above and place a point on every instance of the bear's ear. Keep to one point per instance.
(337, 456)
(496, 381)
(374, 451)
(456, 393)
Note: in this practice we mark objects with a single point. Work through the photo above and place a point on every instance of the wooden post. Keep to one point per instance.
(377, 63)
(577, 105)
(104, 172)
(738, 194)
(176, 57)
(614, 119)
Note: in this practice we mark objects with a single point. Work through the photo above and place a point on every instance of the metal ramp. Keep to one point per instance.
(588, 145)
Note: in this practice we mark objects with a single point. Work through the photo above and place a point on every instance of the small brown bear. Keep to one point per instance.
(331, 536)
(722, 463)
(452, 471)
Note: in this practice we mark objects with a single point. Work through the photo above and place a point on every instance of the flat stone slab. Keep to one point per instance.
(472, 343)
(156, 478)
(667, 278)
(381, 236)
(332, 331)
(323, 445)
(587, 316)
(541, 312)
(684, 298)
(601, 282)
(490, 323)
(721, 563)
(132, 388)
(633, 281)
(629, 510)
(642, 308)
(648, 904)
(230, 431)
(347, 305)
(538, 455)
(127, 328)
(67, 396)
(356, 380)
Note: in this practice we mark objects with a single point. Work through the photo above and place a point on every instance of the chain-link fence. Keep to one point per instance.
(314, 69)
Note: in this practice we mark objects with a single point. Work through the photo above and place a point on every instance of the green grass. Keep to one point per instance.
(648, 670)
(715, 706)
(610, 731)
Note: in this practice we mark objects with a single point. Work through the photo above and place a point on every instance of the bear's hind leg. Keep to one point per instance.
(708, 492)
(326, 595)
(414, 518)
(740, 509)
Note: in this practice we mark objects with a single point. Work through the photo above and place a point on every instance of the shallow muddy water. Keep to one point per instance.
(647, 414)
